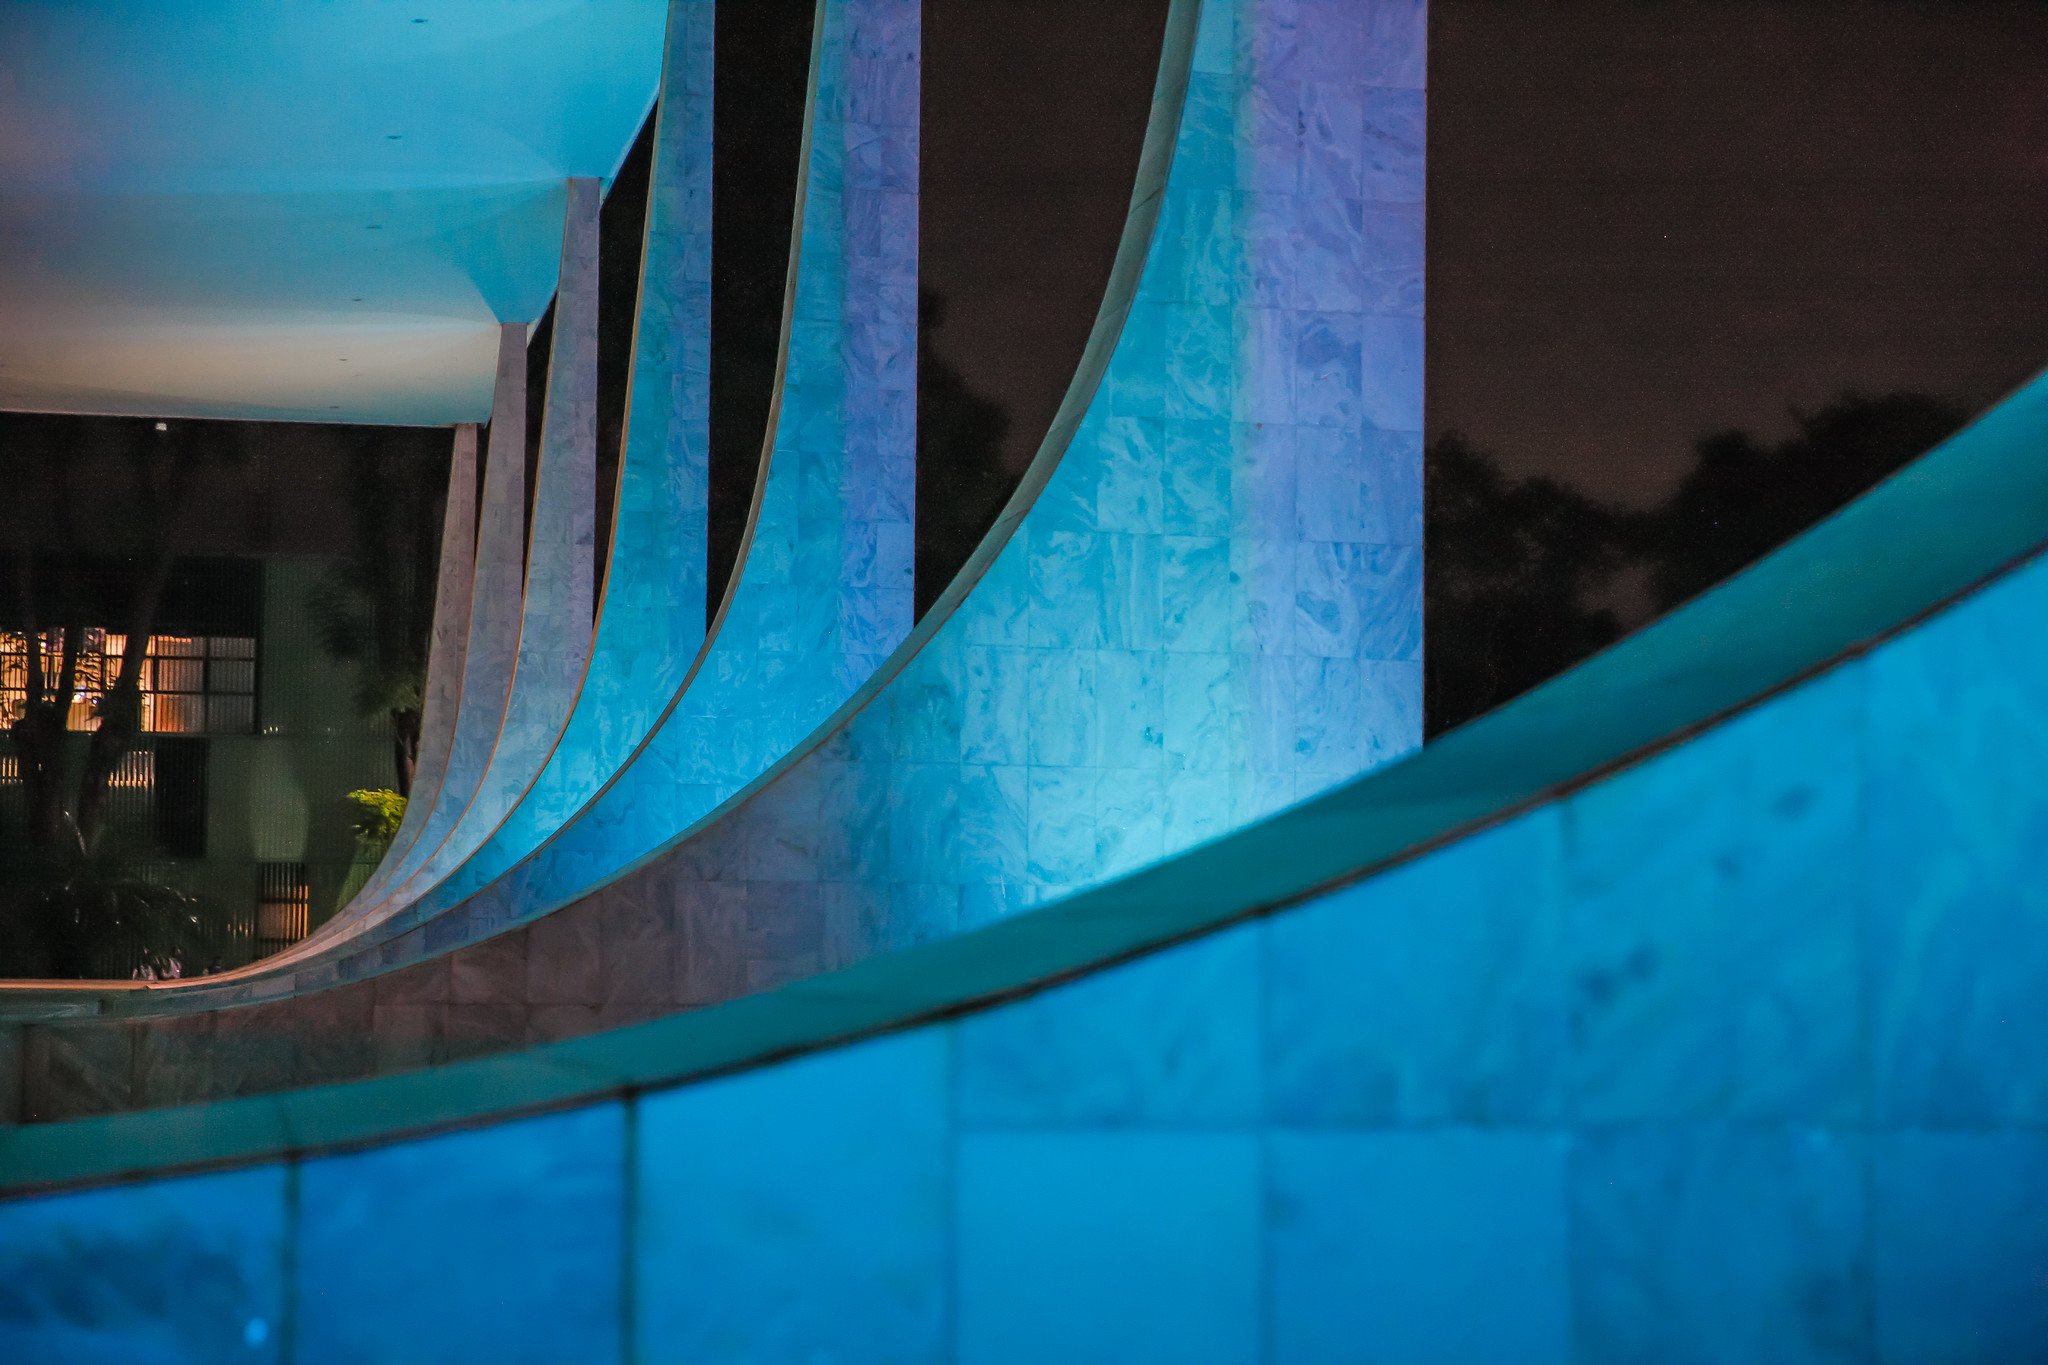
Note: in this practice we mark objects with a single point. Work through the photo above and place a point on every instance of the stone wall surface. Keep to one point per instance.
(1712, 1058)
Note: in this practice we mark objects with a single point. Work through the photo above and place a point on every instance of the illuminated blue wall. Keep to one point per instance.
(1713, 1059)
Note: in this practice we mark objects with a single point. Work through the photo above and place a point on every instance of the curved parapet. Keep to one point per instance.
(1665, 1014)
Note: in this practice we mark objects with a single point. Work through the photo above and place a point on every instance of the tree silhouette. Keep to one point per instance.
(94, 503)
(1742, 498)
(1514, 570)
(1527, 577)
(375, 609)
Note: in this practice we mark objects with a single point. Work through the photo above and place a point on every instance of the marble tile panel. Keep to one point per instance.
(535, 1205)
(1168, 1040)
(1334, 260)
(1712, 922)
(1393, 136)
(1709, 1242)
(1446, 1246)
(424, 983)
(1358, 601)
(564, 958)
(1392, 351)
(171, 1059)
(838, 1164)
(1130, 819)
(553, 1023)
(333, 1034)
(1960, 1226)
(1396, 46)
(1108, 1247)
(633, 935)
(1390, 246)
(1333, 122)
(491, 971)
(168, 1271)
(710, 943)
(1957, 862)
(1434, 993)
(1328, 360)
(79, 1069)
(1060, 828)
(408, 1037)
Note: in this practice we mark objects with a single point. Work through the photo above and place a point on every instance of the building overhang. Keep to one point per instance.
(295, 212)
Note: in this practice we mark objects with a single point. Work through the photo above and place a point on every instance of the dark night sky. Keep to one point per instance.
(1646, 219)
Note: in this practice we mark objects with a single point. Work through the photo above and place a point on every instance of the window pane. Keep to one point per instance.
(137, 771)
(179, 675)
(176, 646)
(231, 647)
(176, 715)
(231, 675)
(230, 715)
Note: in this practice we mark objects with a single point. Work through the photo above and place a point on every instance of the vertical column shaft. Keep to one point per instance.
(555, 615)
(441, 697)
(495, 599)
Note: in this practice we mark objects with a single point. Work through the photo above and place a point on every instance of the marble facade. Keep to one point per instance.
(1592, 1085)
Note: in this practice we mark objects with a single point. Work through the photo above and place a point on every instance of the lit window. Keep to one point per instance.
(191, 685)
(284, 914)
